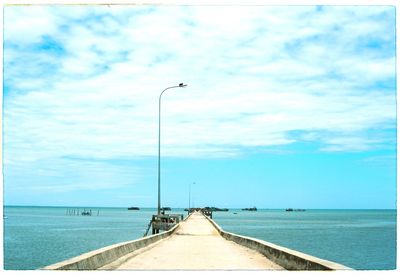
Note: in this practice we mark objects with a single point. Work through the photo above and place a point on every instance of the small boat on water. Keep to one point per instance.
(250, 209)
(294, 210)
(86, 213)
(133, 208)
(214, 209)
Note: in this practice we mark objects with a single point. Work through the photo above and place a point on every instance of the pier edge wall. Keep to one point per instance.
(285, 257)
(97, 258)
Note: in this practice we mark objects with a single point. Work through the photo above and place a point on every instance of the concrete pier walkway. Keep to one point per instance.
(198, 243)
(195, 245)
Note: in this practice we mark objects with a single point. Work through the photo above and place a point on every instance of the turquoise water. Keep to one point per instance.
(362, 239)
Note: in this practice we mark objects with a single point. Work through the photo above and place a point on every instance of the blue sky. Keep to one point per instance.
(286, 106)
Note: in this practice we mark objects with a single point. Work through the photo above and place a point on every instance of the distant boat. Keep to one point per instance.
(133, 208)
(213, 209)
(86, 213)
(250, 209)
(165, 208)
(294, 210)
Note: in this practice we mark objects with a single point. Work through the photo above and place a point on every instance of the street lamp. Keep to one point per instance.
(181, 85)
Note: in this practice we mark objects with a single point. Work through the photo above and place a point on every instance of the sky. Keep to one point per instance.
(286, 106)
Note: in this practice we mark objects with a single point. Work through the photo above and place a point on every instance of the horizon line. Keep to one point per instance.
(152, 207)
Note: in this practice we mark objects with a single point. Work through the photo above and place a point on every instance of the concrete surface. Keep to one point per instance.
(97, 258)
(287, 258)
(195, 245)
(198, 243)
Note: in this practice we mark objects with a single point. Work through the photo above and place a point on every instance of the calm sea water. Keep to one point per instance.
(362, 239)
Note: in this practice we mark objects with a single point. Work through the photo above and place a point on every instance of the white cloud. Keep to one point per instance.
(70, 174)
(27, 25)
(255, 74)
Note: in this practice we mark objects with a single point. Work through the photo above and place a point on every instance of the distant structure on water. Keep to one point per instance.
(206, 210)
(78, 212)
(133, 208)
(250, 209)
(215, 209)
(294, 210)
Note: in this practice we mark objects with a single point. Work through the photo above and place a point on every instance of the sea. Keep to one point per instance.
(35, 237)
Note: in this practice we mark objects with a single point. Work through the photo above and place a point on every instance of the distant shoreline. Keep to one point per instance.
(181, 208)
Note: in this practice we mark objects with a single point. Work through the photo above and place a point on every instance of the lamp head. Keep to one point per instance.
(182, 85)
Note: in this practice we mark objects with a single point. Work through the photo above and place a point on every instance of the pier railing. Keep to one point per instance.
(100, 257)
(285, 257)
(109, 257)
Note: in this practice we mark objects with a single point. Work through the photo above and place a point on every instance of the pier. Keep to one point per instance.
(197, 243)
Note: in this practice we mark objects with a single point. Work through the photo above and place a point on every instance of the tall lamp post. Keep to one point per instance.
(181, 85)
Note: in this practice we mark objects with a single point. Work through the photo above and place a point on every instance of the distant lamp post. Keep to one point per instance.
(190, 187)
(181, 85)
